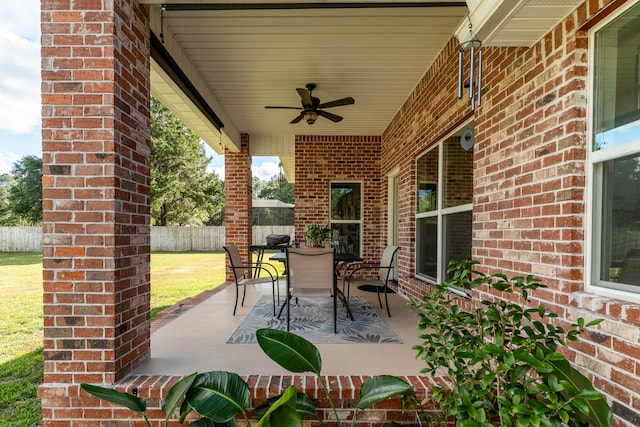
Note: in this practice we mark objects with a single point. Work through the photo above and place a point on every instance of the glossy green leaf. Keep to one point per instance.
(206, 422)
(521, 409)
(176, 394)
(285, 416)
(185, 410)
(564, 416)
(466, 397)
(380, 388)
(594, 322)
(218, 395)
(281, 411)
(304, 406)
(540, 366)
(290, 351)
(482, 415)
(589, 394)
(554, 384)
(581, 406)
(600, 414)
(554, 356)
(118, 397)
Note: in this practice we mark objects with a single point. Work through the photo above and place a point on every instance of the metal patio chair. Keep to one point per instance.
(310, 275)
(380, 282)
(243, 274)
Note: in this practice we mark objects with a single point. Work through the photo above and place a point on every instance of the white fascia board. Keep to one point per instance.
(231, 137)
(487, 17)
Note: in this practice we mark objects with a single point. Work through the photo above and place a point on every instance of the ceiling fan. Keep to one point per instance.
(312, 108)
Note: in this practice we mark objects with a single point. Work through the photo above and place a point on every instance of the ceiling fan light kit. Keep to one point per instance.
(312, 108)
(310, 117)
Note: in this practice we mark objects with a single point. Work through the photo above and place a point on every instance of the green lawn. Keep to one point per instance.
(174, 277)
(20, 338)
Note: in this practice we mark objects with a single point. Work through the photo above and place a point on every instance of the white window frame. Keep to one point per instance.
(393, 213)
(436, 213)
(349, 221)
(440, 213)
(593, 194)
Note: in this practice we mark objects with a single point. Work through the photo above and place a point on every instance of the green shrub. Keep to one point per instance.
(502, 358)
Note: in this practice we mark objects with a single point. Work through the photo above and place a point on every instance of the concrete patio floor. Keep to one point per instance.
(195, 341)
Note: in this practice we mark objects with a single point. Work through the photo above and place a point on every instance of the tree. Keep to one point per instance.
(257, 186)
(182, 191)
(25, 195)
(216, 202)
(275, 188)
(6, 214)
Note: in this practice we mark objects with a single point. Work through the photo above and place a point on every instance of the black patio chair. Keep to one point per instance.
(379, 283)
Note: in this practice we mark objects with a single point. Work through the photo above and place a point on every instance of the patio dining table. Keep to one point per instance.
(259, 251)
(340, 257)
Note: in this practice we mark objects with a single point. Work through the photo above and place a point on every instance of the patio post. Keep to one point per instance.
(96, 149)
(238, 196)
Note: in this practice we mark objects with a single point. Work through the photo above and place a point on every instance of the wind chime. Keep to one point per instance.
(472, 48)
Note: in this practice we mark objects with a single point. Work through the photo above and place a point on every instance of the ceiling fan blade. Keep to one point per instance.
(283, 108)
(297, 119)
(338, 102)
(305, 96)
(332, 117)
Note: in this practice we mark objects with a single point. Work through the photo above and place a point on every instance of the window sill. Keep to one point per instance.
(609, 303)
(458, 292)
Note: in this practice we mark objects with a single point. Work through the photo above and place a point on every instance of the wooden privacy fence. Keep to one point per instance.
(180, 239)
(170, 239)
(20, 239)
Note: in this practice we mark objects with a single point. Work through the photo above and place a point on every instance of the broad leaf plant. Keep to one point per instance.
(217, 398)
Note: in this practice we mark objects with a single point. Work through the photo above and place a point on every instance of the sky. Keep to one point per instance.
(20, 121)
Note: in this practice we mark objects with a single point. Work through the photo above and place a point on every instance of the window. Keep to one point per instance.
(443, 208)
(346, 216)
(615, 154)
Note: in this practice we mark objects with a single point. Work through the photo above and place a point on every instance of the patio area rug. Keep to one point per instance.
(312, 318)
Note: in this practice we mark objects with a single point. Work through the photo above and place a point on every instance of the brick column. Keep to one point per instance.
(238, 183)
(96, 146)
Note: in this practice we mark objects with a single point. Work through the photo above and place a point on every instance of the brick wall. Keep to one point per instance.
(344, 393)
(529, 187)
(95, 131)
(429, 114)
(321, 160)
(238, 200)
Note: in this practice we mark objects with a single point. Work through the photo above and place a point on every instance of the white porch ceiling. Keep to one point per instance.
(247, 55)
(253, 58)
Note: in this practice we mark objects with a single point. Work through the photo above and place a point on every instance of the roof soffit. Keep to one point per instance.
(515, 23)
(168, 92)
